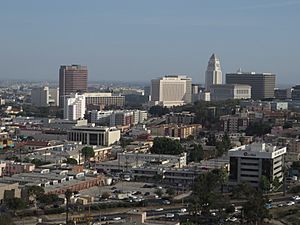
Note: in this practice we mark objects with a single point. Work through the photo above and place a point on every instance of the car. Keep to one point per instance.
(183, 210)
(113, 188)
(117, 218)
(232, 219)
(296, 198)
(170, 215)
(159, 210)
(147, 193)
(166, 202)
(280, 205)
(290, 203)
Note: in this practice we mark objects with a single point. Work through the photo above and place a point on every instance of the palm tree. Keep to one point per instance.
(68, 195)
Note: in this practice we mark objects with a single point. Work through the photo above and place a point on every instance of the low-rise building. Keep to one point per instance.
(234, 123)
(180, 118)
(92, 135)
(175, 130)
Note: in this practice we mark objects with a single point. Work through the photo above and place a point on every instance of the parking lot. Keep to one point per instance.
(121, 187)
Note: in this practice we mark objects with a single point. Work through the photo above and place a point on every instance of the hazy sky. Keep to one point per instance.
(142, 39)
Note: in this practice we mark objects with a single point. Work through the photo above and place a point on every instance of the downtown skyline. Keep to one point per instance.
(137, 41)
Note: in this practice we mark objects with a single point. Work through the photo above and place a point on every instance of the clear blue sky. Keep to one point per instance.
(141, 39)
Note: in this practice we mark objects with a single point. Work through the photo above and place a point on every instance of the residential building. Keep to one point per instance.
(262, 84)
(11, 190)
(74, 107)
(176, 130)
(91, 135)
(248, 163)
(171, 90)
(180, 118)
(221, 92)
(72, 79)
(234, 123)
(213, 74)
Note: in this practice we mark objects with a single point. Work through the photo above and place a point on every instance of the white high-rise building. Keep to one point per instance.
(171, 91)
(74, 106)
(213, 74)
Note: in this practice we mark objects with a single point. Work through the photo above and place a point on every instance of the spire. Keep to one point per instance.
(213, 57)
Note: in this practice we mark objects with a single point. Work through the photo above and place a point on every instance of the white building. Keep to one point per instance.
(248, 163)
(213, 74)
(220, 92)
(91, 135)
(74, 107)
(171, 91)
(44, 96)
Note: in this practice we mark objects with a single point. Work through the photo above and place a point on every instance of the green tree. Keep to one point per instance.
(158, 110)
(264, 184)
(68, 195)
(34, 193)
(166, 146)
(276, 183)
(15, 203)
(170, 191)
(196, 154)
(49, 199)
(105, 195)
(204, 193)
(87, 152)
(255, 210)
(71, 161)
(158, 192)
(258, 129)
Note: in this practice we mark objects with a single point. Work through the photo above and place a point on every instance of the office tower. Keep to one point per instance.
(44, 96)
(213, 74)
(72, 79)
(54, 96)
(171, 90)
(40, 96)
(248, 163)
(74, 107)
(262, 84)
(101, 100)
(296, 92)
(221, 92)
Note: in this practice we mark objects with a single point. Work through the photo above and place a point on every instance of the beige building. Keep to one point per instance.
(9, 191)
(174, 130)
(171, 90)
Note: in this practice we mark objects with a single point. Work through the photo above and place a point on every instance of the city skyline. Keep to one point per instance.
(119, 42)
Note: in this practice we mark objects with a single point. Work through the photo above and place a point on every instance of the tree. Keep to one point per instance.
(264, 184)
(258, 129)
(158, 110)
(34, 193)
(204, 193)
(15, 203)
(105, 195)
(170, 191)
(71, 161)
(158, 192)
(196, 154)
(276, 183)
(68, 195)
(87, 152)
(255, 210)
(166, 146)
(49, 199)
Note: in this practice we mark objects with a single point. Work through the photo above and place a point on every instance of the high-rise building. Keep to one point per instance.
(221, 92)
(44, 96)
(101, 100)
(40, 96)
(296, 92)
(72, 79)
(171, 90)
(74, 107)
(262, 84)
(213, 74)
